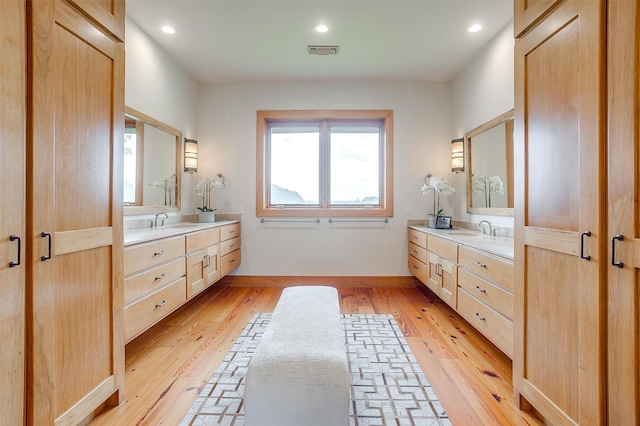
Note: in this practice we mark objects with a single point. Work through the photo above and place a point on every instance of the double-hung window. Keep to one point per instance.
(324, 163)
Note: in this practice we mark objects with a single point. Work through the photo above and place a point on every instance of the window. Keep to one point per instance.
(324, 163)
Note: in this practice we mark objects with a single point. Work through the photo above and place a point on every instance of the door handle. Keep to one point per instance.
(582, 255)
(614, 262)
(48, 255)
(14, 238)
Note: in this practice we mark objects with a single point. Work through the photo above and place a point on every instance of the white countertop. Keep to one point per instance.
(499, 246)
(140, 235)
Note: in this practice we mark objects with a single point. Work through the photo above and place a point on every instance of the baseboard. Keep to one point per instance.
(340, 282)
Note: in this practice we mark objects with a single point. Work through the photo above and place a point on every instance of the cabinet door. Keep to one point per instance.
(448, 290)
(433, 272)
(559, 119)
(624, 218)
(12, 223)
(212, 266)
(75, 216)
(196, 272)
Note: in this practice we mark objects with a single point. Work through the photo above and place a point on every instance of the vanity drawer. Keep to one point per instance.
(143, 256)
(138, 285)
(229, 262)
(494, 326)
(202, 239)
(418, 252)
(142, 314)
(228, 232)
(443, 248)
(489, 267)
(496, 297)
(418, 238)
(418, 269)
(229, 245)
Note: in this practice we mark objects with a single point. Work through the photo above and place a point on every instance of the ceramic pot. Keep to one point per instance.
(206, 217)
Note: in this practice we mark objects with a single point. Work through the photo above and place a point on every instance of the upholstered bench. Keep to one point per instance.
(299, 375)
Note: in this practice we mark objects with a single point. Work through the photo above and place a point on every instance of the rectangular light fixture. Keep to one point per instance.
(190, 155)
(457, 155)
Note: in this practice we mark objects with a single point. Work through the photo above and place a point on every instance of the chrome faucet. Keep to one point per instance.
(483, 229)
(155, 222)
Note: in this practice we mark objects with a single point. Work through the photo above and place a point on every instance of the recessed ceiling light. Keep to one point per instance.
(321, 28)
(475, 28)
(168, 29)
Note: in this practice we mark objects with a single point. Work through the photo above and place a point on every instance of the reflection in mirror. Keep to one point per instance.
(490, 167)
(151, 165)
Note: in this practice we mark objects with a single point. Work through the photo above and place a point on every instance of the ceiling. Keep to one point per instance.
(240, 40)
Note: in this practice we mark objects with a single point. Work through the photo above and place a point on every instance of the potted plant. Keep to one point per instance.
(436, 186)
(203, 190)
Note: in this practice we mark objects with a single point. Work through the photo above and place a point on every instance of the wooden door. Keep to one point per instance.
(623, 282)
(433, 272)
(74, 208)
(12, 222)
(559, 357)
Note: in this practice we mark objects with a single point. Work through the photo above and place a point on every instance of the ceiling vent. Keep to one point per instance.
(322, 50)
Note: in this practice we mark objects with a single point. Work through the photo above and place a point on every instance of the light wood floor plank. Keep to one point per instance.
(168, 365)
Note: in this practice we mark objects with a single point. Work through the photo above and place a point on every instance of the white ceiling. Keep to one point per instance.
(236, 40)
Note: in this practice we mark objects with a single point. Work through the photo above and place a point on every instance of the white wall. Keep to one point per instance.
(483, 91)
(227, 135)
(157, 86)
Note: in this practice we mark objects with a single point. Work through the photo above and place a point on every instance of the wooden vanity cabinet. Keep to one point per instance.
(442, 271)
(418, 254)
(155, 283)
(230, 253)
(203, 260)
(485, 295)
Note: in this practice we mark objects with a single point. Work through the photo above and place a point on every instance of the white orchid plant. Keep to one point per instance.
(482, 184)
(169, 187)
(204, 188)
(436, 186)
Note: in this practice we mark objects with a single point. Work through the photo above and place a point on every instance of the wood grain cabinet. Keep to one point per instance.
(12, 218)
(229, 248)
(442, 271)
(485, 295)
(154, 284)
(61, 291)
(418, 254)
(560, 355)
(203, 260)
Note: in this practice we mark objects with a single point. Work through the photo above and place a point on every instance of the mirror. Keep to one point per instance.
(489, 157)
(151, 165)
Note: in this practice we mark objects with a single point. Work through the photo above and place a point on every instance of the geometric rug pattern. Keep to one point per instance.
(388, 386)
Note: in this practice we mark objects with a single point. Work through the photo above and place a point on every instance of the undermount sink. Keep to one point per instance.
(185, 225)
(465, 233)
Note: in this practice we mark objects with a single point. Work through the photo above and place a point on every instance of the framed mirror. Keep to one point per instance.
(489, 158)
(152, 165)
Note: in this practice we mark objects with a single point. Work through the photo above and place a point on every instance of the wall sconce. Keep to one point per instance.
(457, 155)
(190, 155)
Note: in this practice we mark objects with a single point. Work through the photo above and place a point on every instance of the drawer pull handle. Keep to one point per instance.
(481, 290)
(48, 255)
(582, 255)
(16, 262)
(615, 262)
(159, 305)
(160, 277)
(415, 267)
(232, 261)
(415, 251)
(233, 231)
(477, 315)
(482, 265)
(232, 245)
(158, 253)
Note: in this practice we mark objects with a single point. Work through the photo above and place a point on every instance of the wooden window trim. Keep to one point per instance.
(386, 203)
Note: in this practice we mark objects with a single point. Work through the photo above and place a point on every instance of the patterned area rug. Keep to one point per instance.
(387, 385)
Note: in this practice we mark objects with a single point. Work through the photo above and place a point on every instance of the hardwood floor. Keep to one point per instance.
(167, 365)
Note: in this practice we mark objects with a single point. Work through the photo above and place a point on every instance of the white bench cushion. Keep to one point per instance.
(299, 374)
